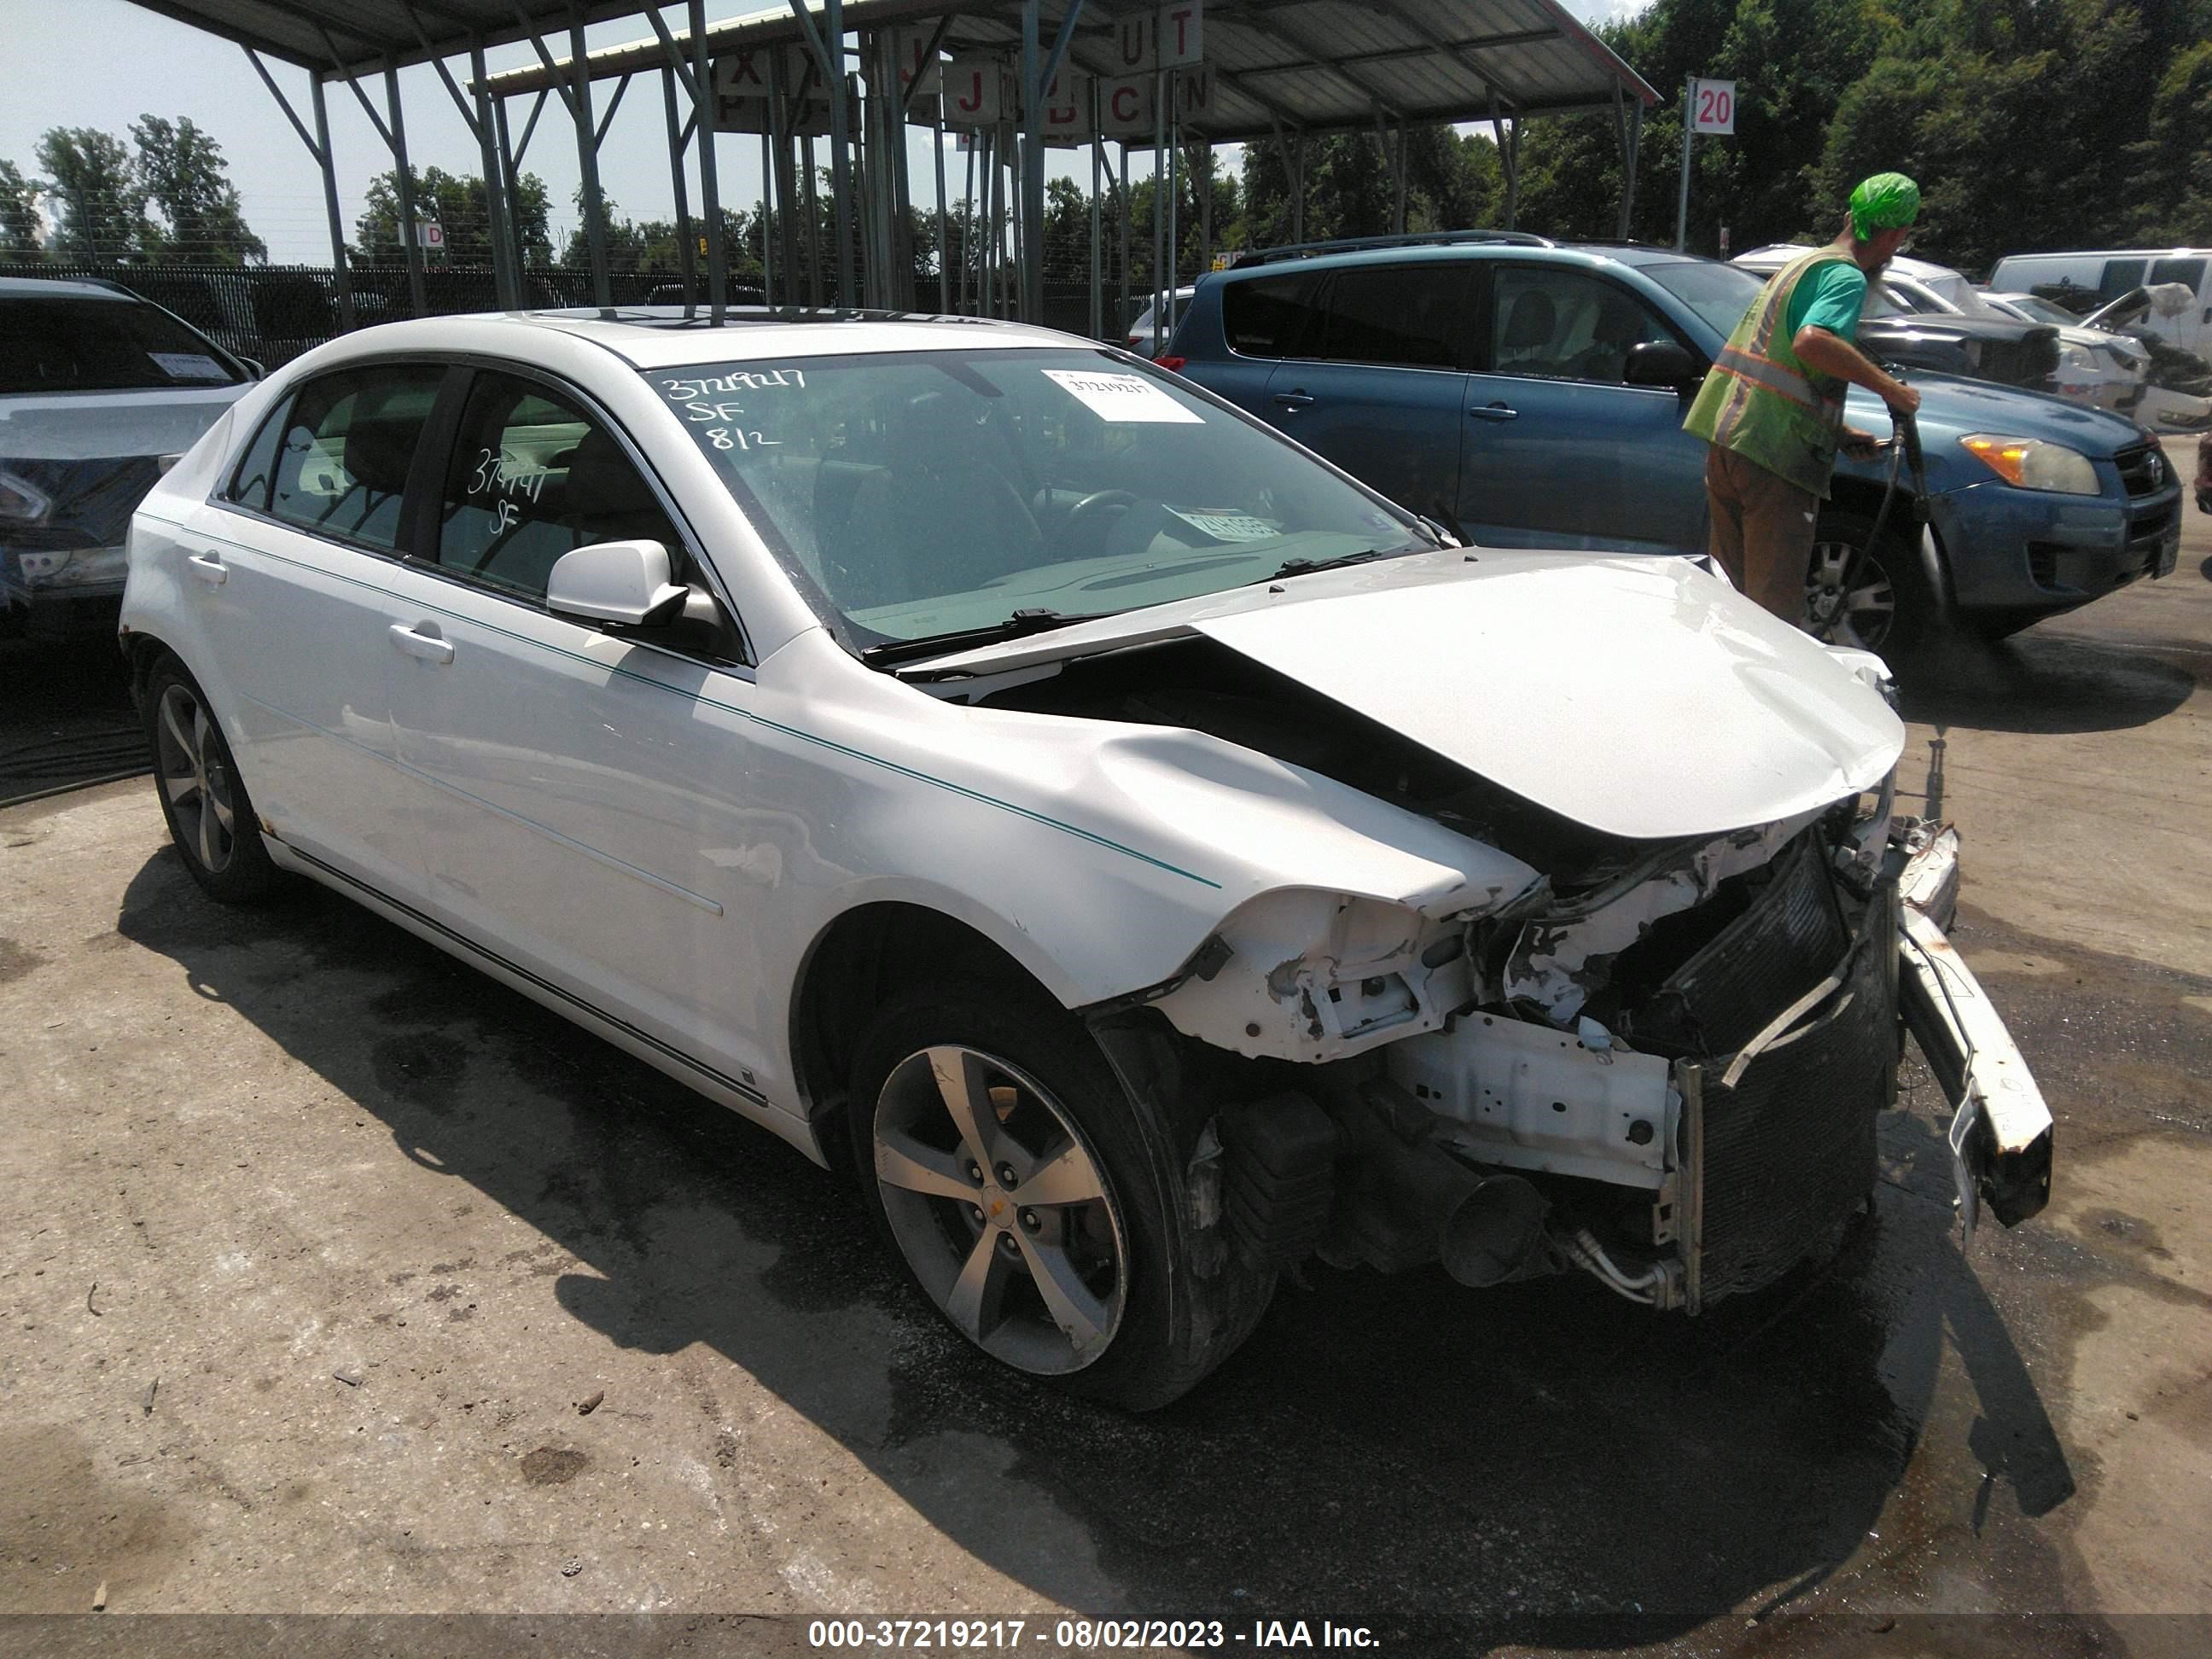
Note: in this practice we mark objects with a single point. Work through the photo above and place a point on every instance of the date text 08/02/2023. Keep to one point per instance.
(1086, 1634)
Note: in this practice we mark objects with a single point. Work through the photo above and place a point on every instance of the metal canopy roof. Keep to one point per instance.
(329, 36)
(1303, 66)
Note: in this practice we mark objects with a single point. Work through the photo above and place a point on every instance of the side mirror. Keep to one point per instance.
(1662, 363)
(624, 582)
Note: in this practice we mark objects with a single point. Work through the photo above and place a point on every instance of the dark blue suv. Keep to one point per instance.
(1530, 394)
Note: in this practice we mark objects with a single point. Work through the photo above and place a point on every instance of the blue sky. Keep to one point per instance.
(103, 63)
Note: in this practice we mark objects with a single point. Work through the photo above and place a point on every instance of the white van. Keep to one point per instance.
(2111, 273)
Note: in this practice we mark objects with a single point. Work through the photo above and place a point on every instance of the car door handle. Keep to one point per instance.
(1293, 400)
(208, 568)
(428, 647)
(1492, 412)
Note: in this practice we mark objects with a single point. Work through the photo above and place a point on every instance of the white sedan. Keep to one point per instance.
(1150, 859)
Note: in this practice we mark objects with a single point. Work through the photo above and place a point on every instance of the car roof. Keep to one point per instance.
(663, 336)
(48, 288)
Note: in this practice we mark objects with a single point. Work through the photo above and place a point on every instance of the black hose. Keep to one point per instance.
(1904, 455)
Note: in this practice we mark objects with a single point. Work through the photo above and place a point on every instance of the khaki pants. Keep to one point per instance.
(1762, 531)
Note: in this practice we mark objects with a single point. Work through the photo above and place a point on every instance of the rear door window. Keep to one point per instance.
(1268, 316)
(1400, 316)
(534, 476)
(350, 440)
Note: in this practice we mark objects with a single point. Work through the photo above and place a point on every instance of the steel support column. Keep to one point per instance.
(339, 263)
(318, 146)
(686, 249)
(587, 159)
(710, 189)
(943, 230)
(1509, 159)
(408, 237)
(1097, 264)
(827, 44)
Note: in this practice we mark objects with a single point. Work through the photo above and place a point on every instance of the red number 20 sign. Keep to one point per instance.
(1712, 106)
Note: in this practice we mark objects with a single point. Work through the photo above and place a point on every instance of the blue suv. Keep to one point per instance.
(1530, 394)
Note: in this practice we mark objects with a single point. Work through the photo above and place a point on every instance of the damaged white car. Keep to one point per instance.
(1148, 858)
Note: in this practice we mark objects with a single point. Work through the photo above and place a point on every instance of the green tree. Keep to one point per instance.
(101, 200)
(1452, 183)
(2170, 166)
(2025, 121)
(457, 202)
(19, 212)
(183, 170)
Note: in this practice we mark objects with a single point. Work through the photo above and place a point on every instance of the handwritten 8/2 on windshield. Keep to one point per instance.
(699, 396)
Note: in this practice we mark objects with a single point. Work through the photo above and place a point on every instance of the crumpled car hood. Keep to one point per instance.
(1638, 696)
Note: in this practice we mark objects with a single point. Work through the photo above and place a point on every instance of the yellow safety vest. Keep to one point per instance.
(1764, 401)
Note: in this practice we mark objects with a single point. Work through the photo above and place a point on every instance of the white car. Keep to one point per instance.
(1148, 856)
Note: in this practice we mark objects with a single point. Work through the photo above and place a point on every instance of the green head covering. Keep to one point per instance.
(1888, 201)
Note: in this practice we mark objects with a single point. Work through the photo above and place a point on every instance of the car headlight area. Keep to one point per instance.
(2034, 464)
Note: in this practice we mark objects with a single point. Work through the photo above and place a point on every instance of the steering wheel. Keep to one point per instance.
(1091, 504)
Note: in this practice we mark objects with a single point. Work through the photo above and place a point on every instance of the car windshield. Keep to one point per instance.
(68, 345)
(2042, 311)
(1718, 294)
(923, 495)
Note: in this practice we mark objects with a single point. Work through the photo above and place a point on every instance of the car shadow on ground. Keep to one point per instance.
(2046, 681)
(1438, 1462)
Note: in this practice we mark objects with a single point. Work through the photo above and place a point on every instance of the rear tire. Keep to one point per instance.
(1078, 1272)
(1889, 608)
(210, 816)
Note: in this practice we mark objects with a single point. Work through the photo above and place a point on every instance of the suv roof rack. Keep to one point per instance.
(1360, 244)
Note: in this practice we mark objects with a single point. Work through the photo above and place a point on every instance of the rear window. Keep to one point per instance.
(1264, 316)
(66, 344)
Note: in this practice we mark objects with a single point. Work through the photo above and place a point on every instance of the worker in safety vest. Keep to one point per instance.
(1773, 408)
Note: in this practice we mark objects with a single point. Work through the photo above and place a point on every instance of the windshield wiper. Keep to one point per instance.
(1015, 627)
(1304, 567)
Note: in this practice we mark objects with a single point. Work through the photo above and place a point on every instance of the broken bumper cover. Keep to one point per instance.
(2000, 1127)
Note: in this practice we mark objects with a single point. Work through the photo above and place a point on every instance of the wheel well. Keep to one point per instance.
(143, 652)
(1864, 496)
(868, 955)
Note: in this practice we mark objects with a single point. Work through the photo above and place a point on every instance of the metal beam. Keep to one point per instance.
(587, 163)
(686, 257)
(505, 280)
(710, 189)
(405, 172)
(284, 103)
(338, 260)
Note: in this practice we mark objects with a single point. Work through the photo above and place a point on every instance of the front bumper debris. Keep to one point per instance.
(2000, 1127)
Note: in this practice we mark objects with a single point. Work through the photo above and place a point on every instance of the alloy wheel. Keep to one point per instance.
(1001, 1209)
(194, 779)
(1862, 613)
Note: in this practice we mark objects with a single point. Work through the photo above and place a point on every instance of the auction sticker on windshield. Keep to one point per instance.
(1120, 397)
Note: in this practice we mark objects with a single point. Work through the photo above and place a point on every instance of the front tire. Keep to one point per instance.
(1022, 1187)
(1877, 598)
(210, 817)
